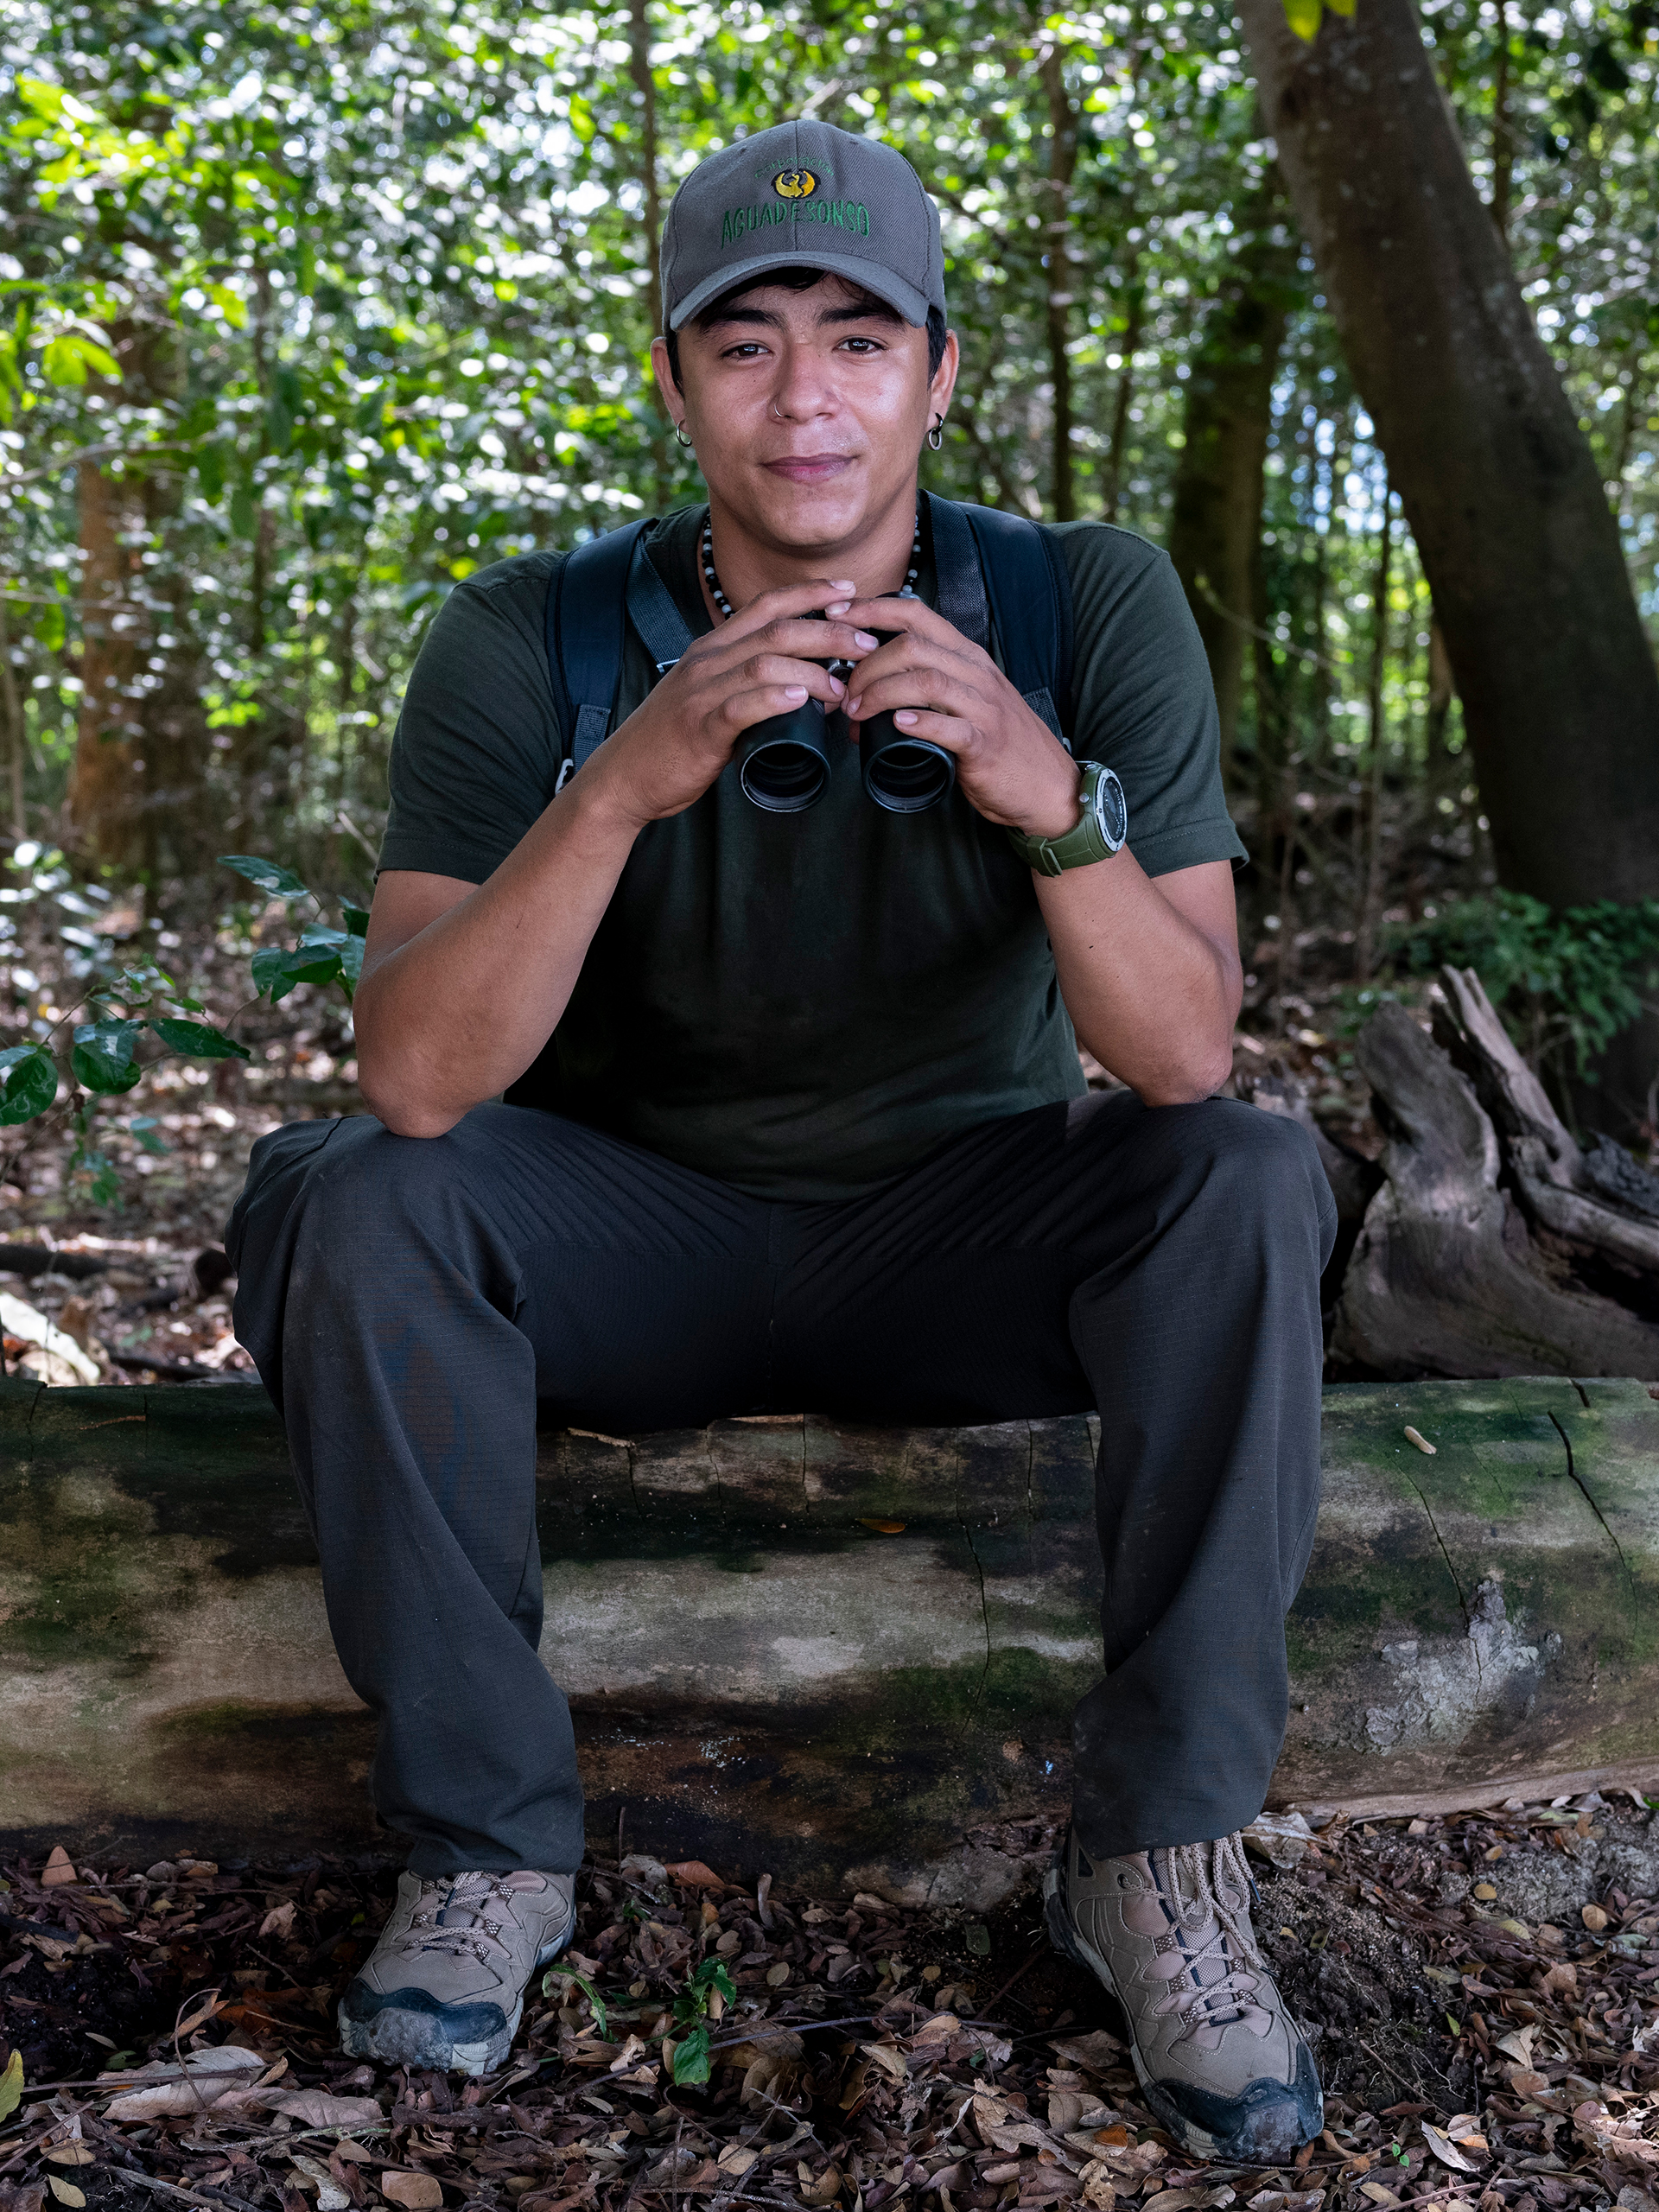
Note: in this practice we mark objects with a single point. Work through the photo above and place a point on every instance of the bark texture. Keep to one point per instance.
(135, 787)
(1560, 691)
(1446, 1278)
(1216, 518)
(827, 1652)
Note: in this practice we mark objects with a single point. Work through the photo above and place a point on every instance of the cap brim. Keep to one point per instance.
(869, 276)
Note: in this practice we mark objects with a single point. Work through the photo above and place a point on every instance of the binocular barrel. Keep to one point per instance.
(782, 763)
(906, 775)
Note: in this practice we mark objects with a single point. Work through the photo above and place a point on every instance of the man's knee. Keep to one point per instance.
(1266, 1169)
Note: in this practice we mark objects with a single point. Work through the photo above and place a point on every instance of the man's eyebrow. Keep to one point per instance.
(869, 311)
(738, 314)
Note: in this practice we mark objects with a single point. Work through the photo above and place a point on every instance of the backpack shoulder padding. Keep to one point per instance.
(587, 602)
(1018, 577)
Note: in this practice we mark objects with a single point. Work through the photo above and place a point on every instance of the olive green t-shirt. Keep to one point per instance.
(804, 1005)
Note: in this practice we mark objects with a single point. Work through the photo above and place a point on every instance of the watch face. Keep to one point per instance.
(1111, 808)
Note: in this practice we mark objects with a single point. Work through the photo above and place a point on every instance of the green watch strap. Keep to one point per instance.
(1099, 834)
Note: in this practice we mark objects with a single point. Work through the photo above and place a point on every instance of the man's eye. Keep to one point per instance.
(862, 344)
(746, 351)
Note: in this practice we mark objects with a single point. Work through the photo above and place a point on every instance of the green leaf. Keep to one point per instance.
(275, 972)
(242, 508)
(691, 2059)
(143, 1127)
(1303, 17)
(200, 1040)
(49, 626)
(357, 919)
(102, 1056)
(568, 1973)
(712, 1974)
(11, 2085)
(267, 874)
(31, 1085)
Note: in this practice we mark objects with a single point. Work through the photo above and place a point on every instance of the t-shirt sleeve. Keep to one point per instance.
(1144, 702)
(476, 753)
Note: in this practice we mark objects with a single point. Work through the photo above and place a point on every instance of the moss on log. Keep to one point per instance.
(828, 1651)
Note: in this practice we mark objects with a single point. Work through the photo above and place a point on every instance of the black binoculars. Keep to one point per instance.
(783, 764)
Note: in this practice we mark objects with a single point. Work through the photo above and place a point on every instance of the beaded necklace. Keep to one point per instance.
(705, 551)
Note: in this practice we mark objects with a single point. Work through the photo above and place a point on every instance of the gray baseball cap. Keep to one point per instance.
(803, 195)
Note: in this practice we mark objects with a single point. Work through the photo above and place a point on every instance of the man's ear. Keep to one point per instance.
(944, 377)
(672, 397)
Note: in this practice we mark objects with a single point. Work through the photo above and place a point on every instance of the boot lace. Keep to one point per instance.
(1200, 1883)
(457, 1924)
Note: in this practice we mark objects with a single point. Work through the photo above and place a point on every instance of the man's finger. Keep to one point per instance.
(948, 732)
(788, 599)
(936, 688)
(913, 615)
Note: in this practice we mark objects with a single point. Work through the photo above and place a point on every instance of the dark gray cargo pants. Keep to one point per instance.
(407, 1301)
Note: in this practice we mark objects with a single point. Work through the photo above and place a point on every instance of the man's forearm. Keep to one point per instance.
(1151, 993)
(458, 1012)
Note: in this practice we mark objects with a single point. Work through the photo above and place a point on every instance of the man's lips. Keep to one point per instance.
(808, 467)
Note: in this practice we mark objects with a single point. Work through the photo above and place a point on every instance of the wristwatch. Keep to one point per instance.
(1100, 833)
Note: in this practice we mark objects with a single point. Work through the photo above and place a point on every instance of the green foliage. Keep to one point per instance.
(323, 956)
(691, 2061)
(559, 1972)
(99, 1058)
(1565, 984)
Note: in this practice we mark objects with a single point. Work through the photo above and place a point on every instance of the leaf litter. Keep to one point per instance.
(167, 2040)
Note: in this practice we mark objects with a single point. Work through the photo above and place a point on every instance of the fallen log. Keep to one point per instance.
(1465, 1262)
(829, 1652)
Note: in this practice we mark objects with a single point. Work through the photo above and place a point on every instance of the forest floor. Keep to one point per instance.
(1479, 1991)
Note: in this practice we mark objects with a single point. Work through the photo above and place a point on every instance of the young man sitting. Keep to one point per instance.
(686, 1106)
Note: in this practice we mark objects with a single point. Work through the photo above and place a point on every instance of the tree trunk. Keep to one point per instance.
(1216, 517)
(1560, 691)
(644, 83)
(134, 789)
(1062, 161)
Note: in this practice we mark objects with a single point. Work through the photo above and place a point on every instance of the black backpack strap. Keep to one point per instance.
(958, 573)
(585, 613)
(1030, 594)
(586, 604)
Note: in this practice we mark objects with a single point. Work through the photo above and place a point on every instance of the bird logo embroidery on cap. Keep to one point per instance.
(795, 184)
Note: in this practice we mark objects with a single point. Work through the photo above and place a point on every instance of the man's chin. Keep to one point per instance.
(827, 511)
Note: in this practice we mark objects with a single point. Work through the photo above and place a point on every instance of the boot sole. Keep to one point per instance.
(1065, 1939)
(399, 2038)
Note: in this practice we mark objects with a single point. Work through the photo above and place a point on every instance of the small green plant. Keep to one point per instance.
(561, 1972)
(1565, 984)
(691, 2009)
(322, 954)
(97, 1058)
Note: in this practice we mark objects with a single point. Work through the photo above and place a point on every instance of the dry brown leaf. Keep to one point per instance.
(279, 1920)
(778, 1975)
(692, 1874)
(415, 2192)
(1447, 2150)
(825, 2191)
(1172, 2199)
(994, 2175)
(59, 1868)
(318, 2109)
(1377, 2194)
(736, 2159)
(1593, 1918)
(891, 2061)
(70, 2154)
(66, 2193)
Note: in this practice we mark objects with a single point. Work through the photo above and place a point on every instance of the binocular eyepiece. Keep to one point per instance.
(783, 764)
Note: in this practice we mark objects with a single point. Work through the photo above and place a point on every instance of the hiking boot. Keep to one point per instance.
(445, 1985)
(1221, 2063)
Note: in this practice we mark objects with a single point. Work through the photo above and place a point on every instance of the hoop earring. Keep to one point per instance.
(936, 435)
(680, 437)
